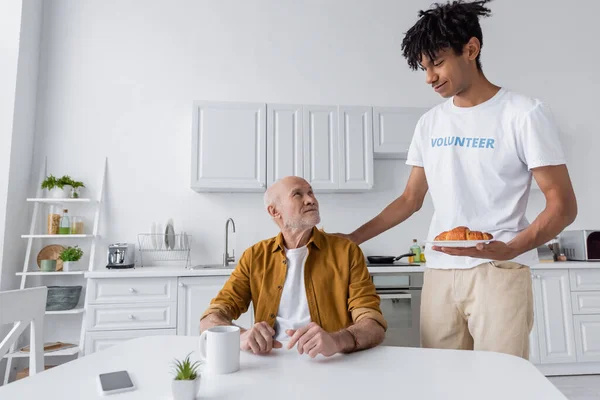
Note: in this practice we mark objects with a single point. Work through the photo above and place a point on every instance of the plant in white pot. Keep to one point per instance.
(187, 379)
(70, 257)
(56, 187)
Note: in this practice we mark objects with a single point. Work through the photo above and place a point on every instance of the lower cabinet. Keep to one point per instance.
(97, 341)
(193, 298)
(127, 308)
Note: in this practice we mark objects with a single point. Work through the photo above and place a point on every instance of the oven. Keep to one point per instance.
(400, 295)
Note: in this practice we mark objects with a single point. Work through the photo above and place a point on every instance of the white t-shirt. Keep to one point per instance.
(477, 161)
(293, 310)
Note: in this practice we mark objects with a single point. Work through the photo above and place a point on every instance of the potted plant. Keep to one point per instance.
(70, 257)
(76, 191)
(55, 187)
(187, 379)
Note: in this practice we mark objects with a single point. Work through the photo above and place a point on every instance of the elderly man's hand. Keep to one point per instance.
(313, 340)
(259, 339)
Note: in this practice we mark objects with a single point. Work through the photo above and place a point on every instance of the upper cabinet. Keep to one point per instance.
(321, 155)
(284, 141)
(249, 146)
(355, 142)
(393, 130)
(228, 147)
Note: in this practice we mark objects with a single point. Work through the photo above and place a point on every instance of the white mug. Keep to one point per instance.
(220, 348)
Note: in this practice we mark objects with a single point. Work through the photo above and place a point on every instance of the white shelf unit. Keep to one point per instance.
(27, 272)
(71, 351)
(44, 236)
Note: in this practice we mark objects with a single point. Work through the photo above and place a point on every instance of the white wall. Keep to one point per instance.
(10, 24)
(118, 79)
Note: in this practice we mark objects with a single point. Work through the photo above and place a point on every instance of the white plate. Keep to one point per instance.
(457, 243)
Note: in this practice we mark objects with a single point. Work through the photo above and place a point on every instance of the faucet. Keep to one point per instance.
(226, 258)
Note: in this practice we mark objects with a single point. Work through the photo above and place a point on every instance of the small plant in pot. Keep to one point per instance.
(75, 186)
(56, 187)
(70, 257)
(187, 379)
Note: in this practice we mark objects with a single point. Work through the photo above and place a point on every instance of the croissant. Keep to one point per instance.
(463, 233)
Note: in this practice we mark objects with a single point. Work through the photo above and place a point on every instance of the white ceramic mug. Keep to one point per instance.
(220, 349)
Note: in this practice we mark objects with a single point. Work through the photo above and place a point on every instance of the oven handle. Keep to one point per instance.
(394, 296)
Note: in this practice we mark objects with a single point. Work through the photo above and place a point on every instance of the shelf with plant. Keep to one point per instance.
(70, 257)
(63, 187)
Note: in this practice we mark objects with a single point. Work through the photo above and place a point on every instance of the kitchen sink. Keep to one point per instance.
(212, 266)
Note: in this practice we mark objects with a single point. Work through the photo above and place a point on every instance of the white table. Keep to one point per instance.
(384, 372)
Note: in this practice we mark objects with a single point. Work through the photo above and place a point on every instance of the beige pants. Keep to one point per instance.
(489, 307)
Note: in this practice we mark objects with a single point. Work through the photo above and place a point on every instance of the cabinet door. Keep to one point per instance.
(97, 341)
(193, 298)
(553, 305)
(321, 164)
(393, 130)
(587, 337)
(284, 141)
(534, 343)
(228, 147)
(356, 148)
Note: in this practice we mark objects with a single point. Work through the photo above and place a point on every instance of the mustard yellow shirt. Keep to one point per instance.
(339, 288)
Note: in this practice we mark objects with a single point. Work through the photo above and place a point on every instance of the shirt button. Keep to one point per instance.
(279, 287)
(272, 315)
(284, 261)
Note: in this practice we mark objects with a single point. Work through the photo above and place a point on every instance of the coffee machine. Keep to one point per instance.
(121, 256)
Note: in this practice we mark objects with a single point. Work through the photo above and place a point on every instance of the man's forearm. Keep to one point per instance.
(548, 224)
(363, 335)
(216, 319)
(396, 212)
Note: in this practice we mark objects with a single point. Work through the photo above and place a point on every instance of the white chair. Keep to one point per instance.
(21, 308)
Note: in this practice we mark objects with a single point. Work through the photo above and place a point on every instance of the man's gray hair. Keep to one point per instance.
(269, 198)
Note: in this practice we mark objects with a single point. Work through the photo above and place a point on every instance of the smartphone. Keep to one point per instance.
(115, 382)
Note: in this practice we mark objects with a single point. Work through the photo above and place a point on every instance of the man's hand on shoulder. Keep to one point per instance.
(345, 236)
(259, 339)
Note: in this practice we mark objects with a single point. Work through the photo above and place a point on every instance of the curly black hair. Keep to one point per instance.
(443, 26)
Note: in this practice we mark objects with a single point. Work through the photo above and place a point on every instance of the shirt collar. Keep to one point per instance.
(316, 238)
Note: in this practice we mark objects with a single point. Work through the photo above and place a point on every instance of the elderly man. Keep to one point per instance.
(308, 288)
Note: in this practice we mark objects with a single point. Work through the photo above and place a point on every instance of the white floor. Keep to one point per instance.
(581, 387)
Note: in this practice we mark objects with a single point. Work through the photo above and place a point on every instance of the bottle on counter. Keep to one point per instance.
(423, 260)
(64, 227)
(416, 250)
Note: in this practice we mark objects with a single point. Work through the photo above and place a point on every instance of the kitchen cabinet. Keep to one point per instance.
(321, 161)
(285, 144)
(356, 148)
(587, 337)
(553, 305)
(98, 341)
(534, 343)
(393, 129)
(248, 146)
(228, 147)
(194, 296)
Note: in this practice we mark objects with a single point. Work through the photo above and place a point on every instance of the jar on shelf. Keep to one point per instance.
(64, 226)
(53, 220)
(76, 225)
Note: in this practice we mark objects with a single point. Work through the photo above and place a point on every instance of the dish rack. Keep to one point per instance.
(156, 248)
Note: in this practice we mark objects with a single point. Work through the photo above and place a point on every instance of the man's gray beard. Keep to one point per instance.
(308, 222)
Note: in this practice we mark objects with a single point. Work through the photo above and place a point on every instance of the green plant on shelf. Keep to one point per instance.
(51, 182)
(71, 254)
(186, 370)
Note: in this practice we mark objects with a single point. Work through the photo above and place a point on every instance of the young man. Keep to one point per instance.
(476, 153)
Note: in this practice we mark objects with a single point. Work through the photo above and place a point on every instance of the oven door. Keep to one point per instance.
(401, 309)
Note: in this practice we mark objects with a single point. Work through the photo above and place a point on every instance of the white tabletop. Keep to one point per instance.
(385, 372)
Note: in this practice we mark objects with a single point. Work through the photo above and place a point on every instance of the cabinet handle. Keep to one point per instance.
(538, 276)
(131, 290)
(131, 316)
(181, 284)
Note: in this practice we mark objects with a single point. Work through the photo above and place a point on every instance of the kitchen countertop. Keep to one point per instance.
(158, 271)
